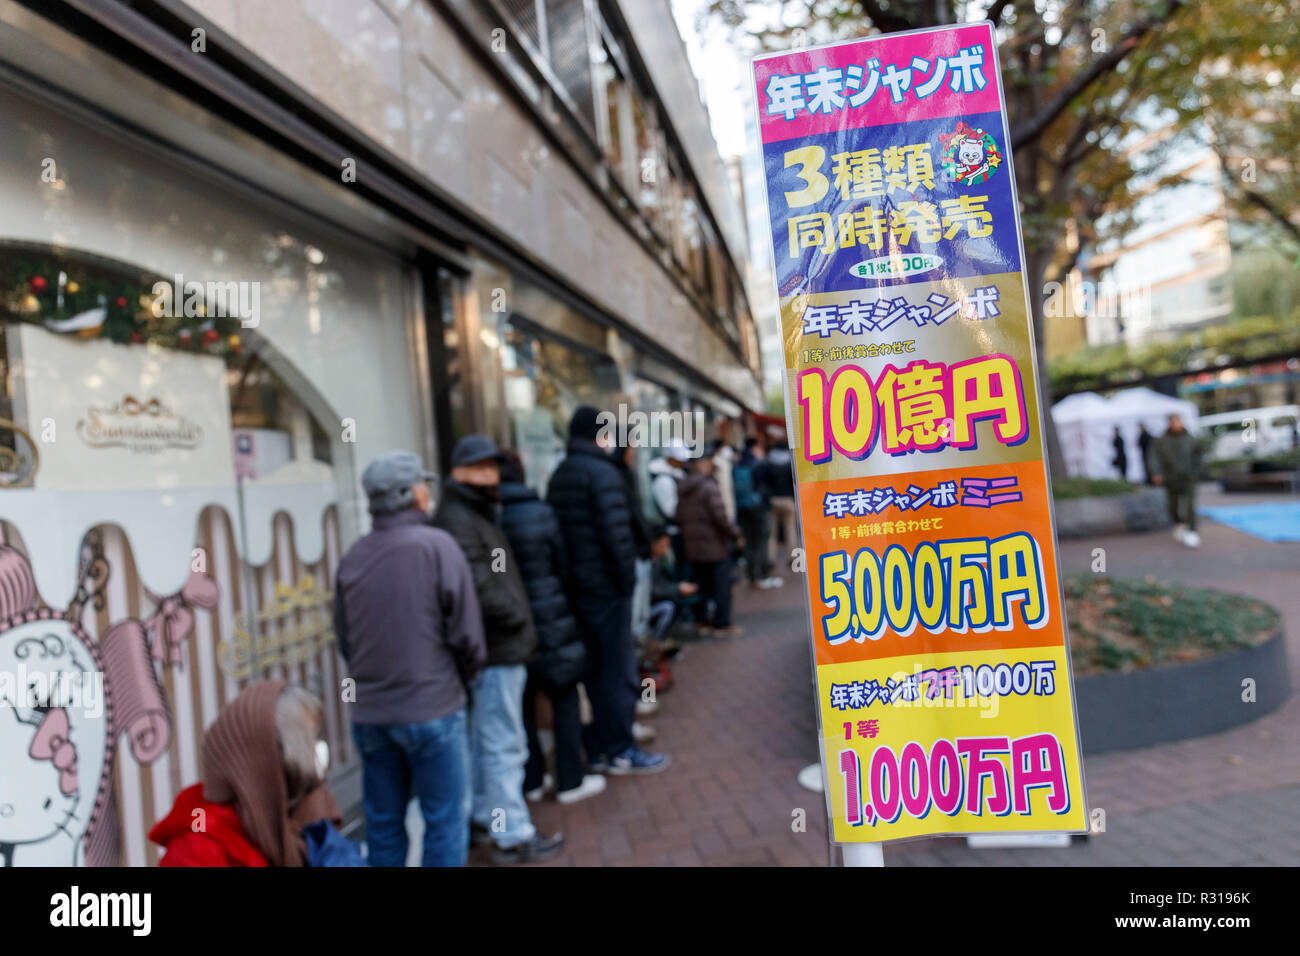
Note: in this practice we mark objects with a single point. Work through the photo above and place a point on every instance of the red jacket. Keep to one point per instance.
(221, 842)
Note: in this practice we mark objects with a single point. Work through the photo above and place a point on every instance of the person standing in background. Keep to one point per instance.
(709, 536)
(625, 460)
(754, 515)
(1120, 460)
(590, 500)
(408, 624)
(1144, 453)
(468, 512)
(534, 535)
(723, 455)
(1176, 464)
(666, 475)
(778, 471)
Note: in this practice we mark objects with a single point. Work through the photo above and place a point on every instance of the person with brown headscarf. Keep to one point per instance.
(263, 792)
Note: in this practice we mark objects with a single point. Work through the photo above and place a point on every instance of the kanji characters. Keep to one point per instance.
(987, 387)
(912, 216)
(820, 320)
(835, 505)
(857, 694)
(856, 318)
(859, 174)
(812, 231)
(966, 211)
(865, 227)
(913, 405)
(823, 90)
(908, 167)
(785, 95)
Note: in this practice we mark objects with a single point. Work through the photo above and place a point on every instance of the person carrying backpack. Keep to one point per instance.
(754, 515)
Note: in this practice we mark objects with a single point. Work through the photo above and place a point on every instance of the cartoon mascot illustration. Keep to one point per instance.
(64, 702)
(970, 155)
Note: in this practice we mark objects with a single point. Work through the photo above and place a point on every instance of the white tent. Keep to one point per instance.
(1084, 435)
(1086, 423)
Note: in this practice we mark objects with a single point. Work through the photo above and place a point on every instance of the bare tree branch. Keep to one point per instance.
(996, 11)
(1034, 127)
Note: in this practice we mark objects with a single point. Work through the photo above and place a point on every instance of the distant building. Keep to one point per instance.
(1169, 274)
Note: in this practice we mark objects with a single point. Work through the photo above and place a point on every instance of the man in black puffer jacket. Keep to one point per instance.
(468, 512)
(591, 502)
(534, 534)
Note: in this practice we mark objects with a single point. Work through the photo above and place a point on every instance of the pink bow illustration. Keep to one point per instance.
(51, 743)
(174, 619)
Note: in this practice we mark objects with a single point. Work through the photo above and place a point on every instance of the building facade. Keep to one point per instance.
(247, 247)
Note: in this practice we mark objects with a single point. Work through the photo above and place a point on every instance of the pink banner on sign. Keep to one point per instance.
(883, 79)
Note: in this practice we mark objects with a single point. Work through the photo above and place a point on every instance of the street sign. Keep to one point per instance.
(942, 663)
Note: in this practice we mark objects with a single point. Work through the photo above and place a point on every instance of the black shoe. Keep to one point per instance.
(479, 835)
(540, 847)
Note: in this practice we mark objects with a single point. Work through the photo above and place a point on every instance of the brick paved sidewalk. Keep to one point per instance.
(739, 725)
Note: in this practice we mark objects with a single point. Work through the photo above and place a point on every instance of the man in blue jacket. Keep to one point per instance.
(408, 623)
(590, 499)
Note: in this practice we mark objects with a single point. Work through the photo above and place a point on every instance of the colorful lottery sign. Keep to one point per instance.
(944, 693)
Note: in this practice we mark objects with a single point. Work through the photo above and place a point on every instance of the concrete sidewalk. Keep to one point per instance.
(739, 725)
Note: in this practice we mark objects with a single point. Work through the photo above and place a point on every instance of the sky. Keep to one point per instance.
(721, 71)
(723, 74)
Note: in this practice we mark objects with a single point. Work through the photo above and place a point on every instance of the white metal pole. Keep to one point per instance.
(863, 854)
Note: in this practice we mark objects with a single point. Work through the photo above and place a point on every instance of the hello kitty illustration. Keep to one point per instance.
(65, 699)
(970, 155)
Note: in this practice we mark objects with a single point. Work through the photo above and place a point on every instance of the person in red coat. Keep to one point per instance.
(263, 796)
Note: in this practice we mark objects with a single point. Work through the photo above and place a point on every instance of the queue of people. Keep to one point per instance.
(457, 622)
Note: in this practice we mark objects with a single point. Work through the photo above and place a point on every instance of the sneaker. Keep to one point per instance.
(645, 708)
(537, 794)
(734, 630)
(479, 835)
(592, 784)
(540, 847)
(598, 764)
(634, 760)
(1180, 532)
(1192, 539)
(775, 582)
(642, 733)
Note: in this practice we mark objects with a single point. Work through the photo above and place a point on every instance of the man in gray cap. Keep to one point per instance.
(499, 743)
(408, 624)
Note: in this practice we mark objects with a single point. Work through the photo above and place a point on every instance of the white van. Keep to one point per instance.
(1252, 432)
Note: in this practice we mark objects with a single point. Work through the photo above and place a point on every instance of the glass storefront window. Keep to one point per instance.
(155, 445)
(546, 378)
